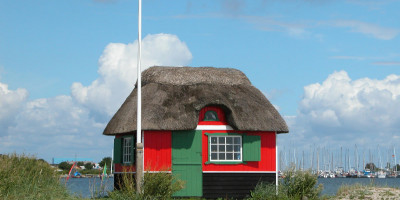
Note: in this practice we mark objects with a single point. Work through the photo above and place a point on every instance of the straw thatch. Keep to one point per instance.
(173, 96)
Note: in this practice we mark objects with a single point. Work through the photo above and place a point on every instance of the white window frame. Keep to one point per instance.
(225, 147)
(127, 150)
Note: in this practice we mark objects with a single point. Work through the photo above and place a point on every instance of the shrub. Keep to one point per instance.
(24, 177)
(294, 185)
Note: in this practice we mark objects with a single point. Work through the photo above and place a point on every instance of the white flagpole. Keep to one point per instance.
(139, 80)
(139, 145)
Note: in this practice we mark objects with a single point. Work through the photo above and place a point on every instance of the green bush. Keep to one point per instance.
(24, 177)
(160, 185)
(294, 185)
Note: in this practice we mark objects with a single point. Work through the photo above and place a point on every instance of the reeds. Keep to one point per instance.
(25, 177)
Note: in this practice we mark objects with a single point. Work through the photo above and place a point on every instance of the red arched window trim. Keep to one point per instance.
(216, 109)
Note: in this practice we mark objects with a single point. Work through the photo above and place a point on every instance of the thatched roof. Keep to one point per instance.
(172, 98)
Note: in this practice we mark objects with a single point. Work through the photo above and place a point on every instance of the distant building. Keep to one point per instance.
(56, 161)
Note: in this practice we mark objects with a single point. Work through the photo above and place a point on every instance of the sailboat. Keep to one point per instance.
(381, 173)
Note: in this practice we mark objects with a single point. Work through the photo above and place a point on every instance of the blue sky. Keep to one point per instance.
(332, 68)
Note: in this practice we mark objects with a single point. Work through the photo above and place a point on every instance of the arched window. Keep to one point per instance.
(210, 116)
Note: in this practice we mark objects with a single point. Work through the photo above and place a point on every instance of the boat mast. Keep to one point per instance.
(317, 160)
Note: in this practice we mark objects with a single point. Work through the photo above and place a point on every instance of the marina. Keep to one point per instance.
(342, 162)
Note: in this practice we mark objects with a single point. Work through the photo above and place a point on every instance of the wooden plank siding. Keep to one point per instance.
(232, 185)
(186, 161)
(157, 150)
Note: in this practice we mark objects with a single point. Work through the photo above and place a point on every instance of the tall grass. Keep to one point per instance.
(160, 185)
(25, 177)
(295, 185)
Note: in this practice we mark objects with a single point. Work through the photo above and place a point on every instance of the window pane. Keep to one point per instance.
(229, 148)
(225, 148)
(237, 148)
(213, 148)
(237, 140)
(237, 156)
(210, 116)
(221, 156)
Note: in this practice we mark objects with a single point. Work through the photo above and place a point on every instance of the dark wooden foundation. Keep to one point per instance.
(233, 185)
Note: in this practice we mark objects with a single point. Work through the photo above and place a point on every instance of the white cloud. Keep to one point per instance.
(373, 30)
(10, 104)
(387, 63)
(342, 111)
(269, 24)
(56, 127)
(117, 69)
(67, 125)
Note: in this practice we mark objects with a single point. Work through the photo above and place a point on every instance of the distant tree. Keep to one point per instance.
(370, 166)
(106, 160)
(88, 165)
(80, 163)
(64, 166)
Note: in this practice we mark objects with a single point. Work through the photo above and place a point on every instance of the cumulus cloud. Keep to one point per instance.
(347, 112)
(64, 125)
(55, 127)
(117, 70)
(11, 102)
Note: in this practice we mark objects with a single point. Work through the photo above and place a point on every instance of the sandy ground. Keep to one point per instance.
(371, 193)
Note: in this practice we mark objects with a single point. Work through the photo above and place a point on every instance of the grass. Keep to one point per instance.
(295, 185)
(155, 186)
(25, 177)
(358, 191)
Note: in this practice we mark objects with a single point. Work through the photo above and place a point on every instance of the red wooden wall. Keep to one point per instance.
(220, 113)
(268, 155)
(157, 150)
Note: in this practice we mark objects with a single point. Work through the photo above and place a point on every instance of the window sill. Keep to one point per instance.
(225, 162)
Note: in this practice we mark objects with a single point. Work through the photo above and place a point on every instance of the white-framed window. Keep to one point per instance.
(127, 146)
(225, 148)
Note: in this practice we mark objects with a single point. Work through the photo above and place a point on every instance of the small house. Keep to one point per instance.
(208, 126)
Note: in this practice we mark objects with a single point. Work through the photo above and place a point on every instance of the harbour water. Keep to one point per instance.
(89, 187)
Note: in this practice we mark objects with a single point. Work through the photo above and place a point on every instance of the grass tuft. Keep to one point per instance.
(295, 185)
(160, 185)
(25, 177)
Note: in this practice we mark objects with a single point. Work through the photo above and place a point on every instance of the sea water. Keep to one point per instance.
(88, 187)
(93, 187)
